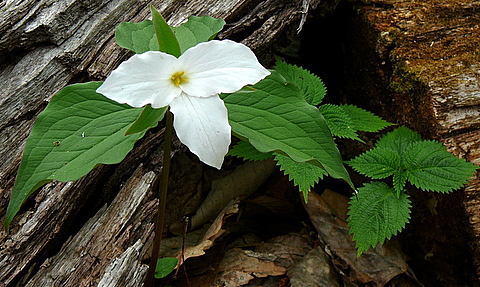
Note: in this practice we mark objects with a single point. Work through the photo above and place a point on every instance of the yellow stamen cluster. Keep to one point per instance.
(178, 78)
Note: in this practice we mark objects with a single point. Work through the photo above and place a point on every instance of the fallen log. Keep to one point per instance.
(415, 63)
(46, 45)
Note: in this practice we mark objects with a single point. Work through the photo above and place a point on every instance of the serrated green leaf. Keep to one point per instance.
(165, 266)
(149, 118)
(426, 164)
(399, 181)
(339, 121)
(137, 37)
(363, 120)
(398, 140)
(431, 167)
(377, 214)
(377, 163)
(248, 152)
(78, 130)
(311, 86)
(303, 174)
(197, 30)
(167, 41)
(275, 117)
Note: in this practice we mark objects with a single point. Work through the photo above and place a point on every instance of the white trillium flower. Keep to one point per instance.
(190, 85)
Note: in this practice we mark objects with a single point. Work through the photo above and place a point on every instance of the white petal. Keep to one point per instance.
(202, 125)
(215, 67)
(143, 79)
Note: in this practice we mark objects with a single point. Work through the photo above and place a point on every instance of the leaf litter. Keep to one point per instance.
(268, 244)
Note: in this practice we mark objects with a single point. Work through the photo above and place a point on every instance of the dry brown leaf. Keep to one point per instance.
(328, 214)
(233, 278)
(314, 269)
(212, 233)
(237, 268)
(288, 248)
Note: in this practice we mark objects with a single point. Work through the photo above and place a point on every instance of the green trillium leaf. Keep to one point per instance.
(197, 30)
(167, 41)
(78, 130)
(149, 118)
(141, 37)
(274, 116)
(137, 37)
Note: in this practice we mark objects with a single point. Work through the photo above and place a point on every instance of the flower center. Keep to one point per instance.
(178, 78)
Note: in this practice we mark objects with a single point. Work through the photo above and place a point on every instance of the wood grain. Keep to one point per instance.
(46, 45)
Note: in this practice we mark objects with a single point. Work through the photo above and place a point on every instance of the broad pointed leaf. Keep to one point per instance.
(167, 41)
(141, 37)
(78, 130)
(197, 30)
(274, 116)
(137, 37)
(148, 118)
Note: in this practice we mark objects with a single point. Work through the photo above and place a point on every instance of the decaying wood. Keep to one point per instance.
(413, 62)
(125, 270)
(47, 44)
(416, 63)
(104, 237)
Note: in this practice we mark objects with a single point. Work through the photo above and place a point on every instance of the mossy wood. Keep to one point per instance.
(416, 63)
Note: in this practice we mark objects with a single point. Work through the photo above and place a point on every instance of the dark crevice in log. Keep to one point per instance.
(242, 28)
(358, 69)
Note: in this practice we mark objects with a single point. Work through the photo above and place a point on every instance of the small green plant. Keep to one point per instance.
(383, 210)
(216, 89)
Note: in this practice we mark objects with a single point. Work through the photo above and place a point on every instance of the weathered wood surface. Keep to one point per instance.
(413, 62)
(102, 237)
(45, 45)
(416, 63)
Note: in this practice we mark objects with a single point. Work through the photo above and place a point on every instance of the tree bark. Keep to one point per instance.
(415, 63)
(46, 45)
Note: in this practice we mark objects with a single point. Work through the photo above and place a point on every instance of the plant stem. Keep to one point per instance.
(163, 200)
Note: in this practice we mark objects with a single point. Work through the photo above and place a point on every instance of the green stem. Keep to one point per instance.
(163, 200)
